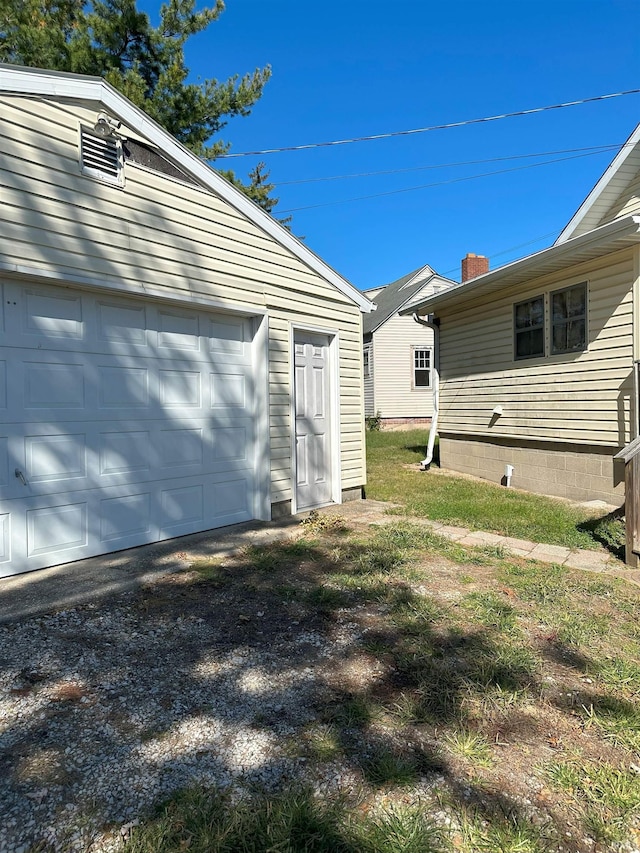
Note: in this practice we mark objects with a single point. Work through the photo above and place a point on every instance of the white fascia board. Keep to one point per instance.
(600, 240)
(29, 81)
(594, 196)
(416, 277)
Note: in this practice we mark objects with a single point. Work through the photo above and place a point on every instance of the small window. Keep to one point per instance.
(421, 368)
(101, 157)
(529, 328)
(569, 319)
(366, 363)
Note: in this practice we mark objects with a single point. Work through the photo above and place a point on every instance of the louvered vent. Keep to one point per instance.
(101, 157)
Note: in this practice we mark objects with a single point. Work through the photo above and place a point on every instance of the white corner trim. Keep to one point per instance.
(30, 81)
(262, 439)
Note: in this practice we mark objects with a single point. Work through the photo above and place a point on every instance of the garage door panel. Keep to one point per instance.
(4, 461)
(231, 500)
(3, 384)
(180, 389)
(5, 537)
(55, 458)
(229, 391)
(54, 386)
(229, 337)
(118, 324)
(124, 517)
(181, 509)
(52, 315)
(59, 528)
(128, 422)
(124, 452)
(178, 331)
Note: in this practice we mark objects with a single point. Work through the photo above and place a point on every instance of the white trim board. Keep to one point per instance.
(18, 80)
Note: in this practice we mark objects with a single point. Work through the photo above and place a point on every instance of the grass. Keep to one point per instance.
(208, 821)
(478, 505)
(477, 702)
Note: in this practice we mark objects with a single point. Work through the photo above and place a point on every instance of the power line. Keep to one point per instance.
(436, 184)
(596, 149)
(464, 123)
(510, 249)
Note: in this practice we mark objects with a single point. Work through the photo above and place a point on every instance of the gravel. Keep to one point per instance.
(105, 709)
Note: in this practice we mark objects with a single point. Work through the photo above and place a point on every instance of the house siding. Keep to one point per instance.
(160, 233)
(628, 202)
(582, 398)
(395, 396)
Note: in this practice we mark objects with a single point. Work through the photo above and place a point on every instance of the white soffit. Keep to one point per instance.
(57, 84)
(612, 183)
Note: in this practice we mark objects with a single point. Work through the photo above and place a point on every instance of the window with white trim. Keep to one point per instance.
(366, 362)
(422, 359)
(569, 319)
(529, 328)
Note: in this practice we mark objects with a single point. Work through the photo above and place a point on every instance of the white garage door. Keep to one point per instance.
(123, 422)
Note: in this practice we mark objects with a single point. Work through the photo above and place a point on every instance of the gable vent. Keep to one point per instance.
(101, 157)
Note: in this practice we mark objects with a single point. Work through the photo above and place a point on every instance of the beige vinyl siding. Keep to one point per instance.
(583, 398)
(628, 202)
(163, 233)
(395, 396)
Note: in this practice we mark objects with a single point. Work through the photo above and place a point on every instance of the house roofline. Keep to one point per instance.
(18, 80)
(593, 244)
(626, 151)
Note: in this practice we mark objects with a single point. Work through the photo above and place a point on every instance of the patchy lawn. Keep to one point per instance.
(392, 474)
(470, 702)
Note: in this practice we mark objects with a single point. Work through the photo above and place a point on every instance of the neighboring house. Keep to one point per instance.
(398, 353)
(172, 359)
(538, 358)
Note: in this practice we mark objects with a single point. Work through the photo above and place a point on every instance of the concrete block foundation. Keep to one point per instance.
(577, 472)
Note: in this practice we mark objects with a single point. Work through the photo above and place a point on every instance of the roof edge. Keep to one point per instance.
(626, 149)
(625, 226)
(19, 80)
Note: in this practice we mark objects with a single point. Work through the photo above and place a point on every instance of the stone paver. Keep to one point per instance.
(550, 553)
(452, 532)
(479, 538)
(591, 561)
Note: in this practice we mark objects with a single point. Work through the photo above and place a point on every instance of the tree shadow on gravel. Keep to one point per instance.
(311, 662)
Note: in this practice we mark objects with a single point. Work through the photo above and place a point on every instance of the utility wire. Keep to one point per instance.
(437, 183)
(464, 123)
(597, 149)
(508, 251)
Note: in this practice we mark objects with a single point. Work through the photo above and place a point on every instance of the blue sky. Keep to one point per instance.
(361, 67)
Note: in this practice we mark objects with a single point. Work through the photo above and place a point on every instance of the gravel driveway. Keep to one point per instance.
(104, 708)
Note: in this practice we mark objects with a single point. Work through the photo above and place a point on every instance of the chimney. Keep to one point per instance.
(474, 265)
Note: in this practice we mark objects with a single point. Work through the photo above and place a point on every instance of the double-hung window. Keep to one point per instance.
(567, 316)
(569, 319)
(366, 362)
(529, 328)
(421, 367)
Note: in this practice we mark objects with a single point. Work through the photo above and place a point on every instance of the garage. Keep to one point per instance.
(125, 421)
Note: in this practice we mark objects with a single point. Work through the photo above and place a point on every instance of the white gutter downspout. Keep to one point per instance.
(434, 325)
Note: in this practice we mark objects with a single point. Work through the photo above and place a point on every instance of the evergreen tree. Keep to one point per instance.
(114, 40)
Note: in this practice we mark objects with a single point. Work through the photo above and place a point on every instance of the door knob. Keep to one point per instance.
(20, 476)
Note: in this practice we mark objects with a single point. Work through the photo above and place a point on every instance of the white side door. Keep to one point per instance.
(312, 421)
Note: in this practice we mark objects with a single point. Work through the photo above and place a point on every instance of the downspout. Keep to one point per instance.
(434, 324)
